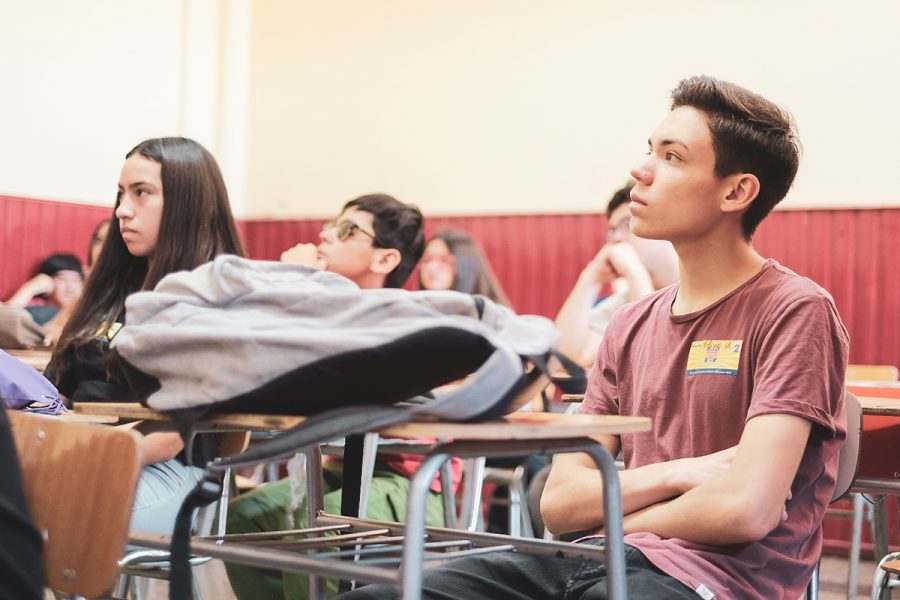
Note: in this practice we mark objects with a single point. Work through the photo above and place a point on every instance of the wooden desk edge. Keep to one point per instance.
(516, 425)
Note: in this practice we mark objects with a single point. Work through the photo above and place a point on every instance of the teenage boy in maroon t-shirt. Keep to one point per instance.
(740, 366)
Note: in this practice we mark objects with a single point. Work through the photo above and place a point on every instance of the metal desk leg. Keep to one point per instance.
(315, 492)
(369, 455)
(615, 530)
(880, 527)
(447, 495)
(414, 540)
(470, 503)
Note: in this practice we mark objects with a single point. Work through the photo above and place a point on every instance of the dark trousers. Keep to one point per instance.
(21, 575)
(513, 576)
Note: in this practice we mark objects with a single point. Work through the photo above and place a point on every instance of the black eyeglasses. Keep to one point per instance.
(344, 229)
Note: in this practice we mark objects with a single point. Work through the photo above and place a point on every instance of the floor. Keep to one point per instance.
(833, 581)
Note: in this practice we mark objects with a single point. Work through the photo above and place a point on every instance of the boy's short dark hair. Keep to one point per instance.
(397, 225)
(55, 263)
(620, 197)
(750, 135)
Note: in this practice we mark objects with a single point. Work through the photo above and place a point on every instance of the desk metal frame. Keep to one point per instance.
(245, 549)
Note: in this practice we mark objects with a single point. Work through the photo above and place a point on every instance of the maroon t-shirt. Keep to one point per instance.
(774, 345)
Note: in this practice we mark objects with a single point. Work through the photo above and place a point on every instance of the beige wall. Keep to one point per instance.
(499, 106)
(462, 106)
(84, 82)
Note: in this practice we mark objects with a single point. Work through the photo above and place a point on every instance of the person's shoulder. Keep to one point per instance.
(787, 285)
(638, 310)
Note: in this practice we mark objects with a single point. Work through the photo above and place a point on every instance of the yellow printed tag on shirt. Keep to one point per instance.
(109, 333)
(714, 357)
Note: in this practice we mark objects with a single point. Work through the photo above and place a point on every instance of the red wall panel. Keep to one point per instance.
(851, 253)
(33, 229)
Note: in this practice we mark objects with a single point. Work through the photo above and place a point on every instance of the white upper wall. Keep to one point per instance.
(84, 82)
(504, 106)
(463, 107)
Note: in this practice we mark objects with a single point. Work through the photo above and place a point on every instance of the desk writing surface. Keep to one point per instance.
(514, 426)
(36, 358)
(223, 422)
(876, 406)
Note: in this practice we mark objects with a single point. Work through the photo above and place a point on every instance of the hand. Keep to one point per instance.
(303, 254)
(688, 473)
(52, 329)
(623, 259)
(599, 269)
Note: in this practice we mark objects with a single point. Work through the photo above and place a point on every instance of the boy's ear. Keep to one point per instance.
(384, 260)
(743, 190)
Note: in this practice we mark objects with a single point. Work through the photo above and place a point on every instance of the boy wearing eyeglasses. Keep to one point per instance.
(376, 242)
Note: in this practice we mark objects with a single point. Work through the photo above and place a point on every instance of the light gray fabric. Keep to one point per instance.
(232, 325)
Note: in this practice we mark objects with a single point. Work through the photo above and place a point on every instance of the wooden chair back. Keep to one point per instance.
(232, 442)
(79, 481)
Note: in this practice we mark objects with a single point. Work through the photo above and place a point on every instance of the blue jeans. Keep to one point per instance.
(160, 491)
(515, 576)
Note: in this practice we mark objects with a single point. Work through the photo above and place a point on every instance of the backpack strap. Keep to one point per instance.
(207, 491)
(575, 379)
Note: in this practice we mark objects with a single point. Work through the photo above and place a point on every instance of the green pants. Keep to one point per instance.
(266, 509)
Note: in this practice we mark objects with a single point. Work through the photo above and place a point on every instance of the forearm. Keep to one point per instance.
(572, 319)
(574, 502)
(716, 514)
(23, 296)
(160, 446)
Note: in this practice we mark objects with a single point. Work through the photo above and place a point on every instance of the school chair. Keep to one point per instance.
(79, 481)
(848, 465)
(141, 564)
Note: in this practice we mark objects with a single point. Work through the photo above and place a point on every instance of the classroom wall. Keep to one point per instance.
(84, 82)
(532, 107)
(465, 108)
(849, 252)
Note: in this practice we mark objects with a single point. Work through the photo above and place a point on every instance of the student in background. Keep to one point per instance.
(632, 266)
(56, 285)
(455, 261)
(54, 326)
(98, 238)
(375, 242)
(170, 190)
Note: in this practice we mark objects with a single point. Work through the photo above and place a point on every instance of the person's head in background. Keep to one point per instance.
(455, 261)
(657, 256)
(171, 214)
(68, 278)
(98, 237)
(376, 242)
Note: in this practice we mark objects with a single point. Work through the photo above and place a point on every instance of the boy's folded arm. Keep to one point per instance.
(747, 501)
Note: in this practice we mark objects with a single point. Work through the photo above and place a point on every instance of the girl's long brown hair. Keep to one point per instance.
(474, 274)
(196, 226)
